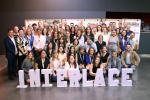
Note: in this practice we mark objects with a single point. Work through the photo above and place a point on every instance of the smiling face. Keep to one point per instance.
(123, 33)
(61, 49)
(10, 33)
(104, 49)
(128, 48)
(114, 54)
(20, 33)
(28, 31)
(91, 51)
(79, 32)
(97, 60)
(114, 33)
(30, 55)
(132, 35)
(82, 50)
(16, 29)
(99, 28)
(61, 40)
(39, 32)
(72, 49)
(43, 54)
(75, 42)
(50, 46)
(71, 59)
(68, 34)
(100, 37)
(88, 30)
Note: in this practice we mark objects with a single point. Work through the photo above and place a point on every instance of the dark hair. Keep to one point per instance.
(74, 61)
(42, 51)
(90, 49)
(95, 60)
(74, 40)
(63, 44)
(87, 29)
(62, 47)
(34, 24)
(68, 27)
(99, 26)
(10, 29)
(32, 55)
(125, 37)
(53, 46)
(69, 53)
(43, 31)
(99, 37)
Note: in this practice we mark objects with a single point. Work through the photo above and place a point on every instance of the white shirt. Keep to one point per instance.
(39, 42)
(81, 41)
(93, 45)
(106, 38)
(62, 56)
(96, 36)
(43, 60)
(128, 60)
(56, 64)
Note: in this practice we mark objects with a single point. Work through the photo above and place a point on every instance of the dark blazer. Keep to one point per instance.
(81, 59)
(39, 62)
(10, 47)
(88, 59)
(99, 46)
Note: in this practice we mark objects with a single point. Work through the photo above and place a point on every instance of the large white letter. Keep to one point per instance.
(60, 78)
(34, 78)
(84, 79)
(21, 79)
(46, 73)
(125, 77)
(99, 78)
(111, 80)
(74, 77)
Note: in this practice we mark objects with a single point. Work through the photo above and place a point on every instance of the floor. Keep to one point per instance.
(139, 91)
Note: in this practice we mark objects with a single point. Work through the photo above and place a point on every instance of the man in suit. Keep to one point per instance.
(11, 52)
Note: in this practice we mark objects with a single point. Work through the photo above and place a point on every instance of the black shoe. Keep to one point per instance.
(11, 78)
(16, 75)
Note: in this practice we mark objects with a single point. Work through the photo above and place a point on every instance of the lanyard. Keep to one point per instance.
(82, 58)
(91, 59)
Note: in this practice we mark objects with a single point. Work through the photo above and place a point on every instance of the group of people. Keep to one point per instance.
(71, 46)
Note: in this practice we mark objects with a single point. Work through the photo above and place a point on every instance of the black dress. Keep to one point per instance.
(104, 58)
(94, 70)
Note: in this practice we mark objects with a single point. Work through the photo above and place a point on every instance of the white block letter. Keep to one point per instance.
(111, 80)
(21, 79)
(125, 77)
(84, 79)
(74, 77)
(99, 78)
(60, 78)
(46, 73)
(34, 78)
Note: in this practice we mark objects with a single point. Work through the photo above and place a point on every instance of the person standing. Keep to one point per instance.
(11, 54)
(38, 43)
(22, 48)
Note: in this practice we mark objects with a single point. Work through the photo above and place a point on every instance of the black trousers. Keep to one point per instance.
(20, 61)
(11, 66)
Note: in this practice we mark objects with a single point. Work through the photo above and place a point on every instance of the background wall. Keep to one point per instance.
(13, 12)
